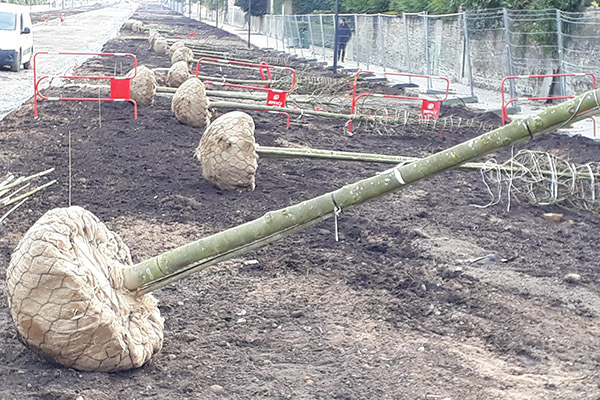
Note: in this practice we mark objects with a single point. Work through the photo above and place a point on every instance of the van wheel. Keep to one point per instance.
(16, 65)
(27, 64)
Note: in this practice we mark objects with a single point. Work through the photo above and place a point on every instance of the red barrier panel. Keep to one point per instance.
(506, 103)
(261, 68)
(119, 85)
(275, 97)
(429, 108)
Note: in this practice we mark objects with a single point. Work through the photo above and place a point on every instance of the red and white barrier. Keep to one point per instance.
(429, 108)
(119, 85)
(275, 97)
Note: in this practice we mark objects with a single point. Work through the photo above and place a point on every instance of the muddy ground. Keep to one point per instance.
(397, 308)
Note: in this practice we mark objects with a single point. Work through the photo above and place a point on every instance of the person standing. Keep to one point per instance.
(344, 33)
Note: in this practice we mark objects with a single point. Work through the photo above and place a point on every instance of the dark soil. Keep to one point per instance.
(394, 309)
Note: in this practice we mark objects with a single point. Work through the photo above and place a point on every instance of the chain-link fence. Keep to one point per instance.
(477, 48)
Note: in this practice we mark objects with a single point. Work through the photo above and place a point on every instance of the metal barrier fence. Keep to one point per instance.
(477, 48)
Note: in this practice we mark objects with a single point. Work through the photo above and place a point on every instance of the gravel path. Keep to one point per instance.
(84, 32)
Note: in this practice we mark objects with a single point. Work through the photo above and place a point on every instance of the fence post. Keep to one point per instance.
(264, 29)
(287, 26)
(312, 40)
(354, 44)
(561, 66)
(408, 68)
(508, 50)
(370, 19)
(280, 29)
(426, 39)
(382, 47)
(322, 37)
(467, 58)
(299, 37)
(278, 36)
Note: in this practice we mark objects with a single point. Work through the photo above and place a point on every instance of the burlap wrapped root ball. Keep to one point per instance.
(137, 26)
(160, 45)
(65, 291)
(152, 36)
(143, 86)
(227, 152)
(129, 24)
(190, 104)
(182, 54)
(175, 46)
(178, 73)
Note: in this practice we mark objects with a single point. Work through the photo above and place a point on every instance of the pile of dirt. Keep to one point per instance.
(424, 296)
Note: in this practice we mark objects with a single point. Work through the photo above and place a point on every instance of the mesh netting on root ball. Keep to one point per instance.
(65, 291)
(190, 104)
(160, 45)
(143, 86)
(133, 25)
(175, 46)
(152, 36)
(182, 54)
(227, 152)
(178, 73)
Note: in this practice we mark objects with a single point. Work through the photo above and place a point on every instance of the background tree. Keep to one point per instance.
(259, 7)
(430, 6)
(365, 6)
(450, 6)
(313, 6)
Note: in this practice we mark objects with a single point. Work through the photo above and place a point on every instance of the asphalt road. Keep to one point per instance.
(84, 32)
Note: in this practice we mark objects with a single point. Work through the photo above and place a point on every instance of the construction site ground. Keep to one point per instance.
(424, 296)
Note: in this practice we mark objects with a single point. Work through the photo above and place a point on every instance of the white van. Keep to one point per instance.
(16, 36)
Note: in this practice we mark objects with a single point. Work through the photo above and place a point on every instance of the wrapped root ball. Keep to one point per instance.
(137, 26)
(190, 104)
(178, 73)
(227, 152)
(65, 291)
(152, 37)
(129, 24)
(143, 86)
(160, 45)
(175, 46)
(182, 54)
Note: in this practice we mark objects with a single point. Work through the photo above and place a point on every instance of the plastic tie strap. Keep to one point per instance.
(337, 210)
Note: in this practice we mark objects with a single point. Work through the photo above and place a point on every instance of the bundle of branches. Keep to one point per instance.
(541, 179)
(317, 85)
(409, 121)
(15, 191)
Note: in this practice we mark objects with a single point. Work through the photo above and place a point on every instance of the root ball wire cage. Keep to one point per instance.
(75, 296)
(160, 45)
(66, 295)
(190, 104)
(142, 85)
(227, 152)
(178, 73)
(182, 54)
(174, 47)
